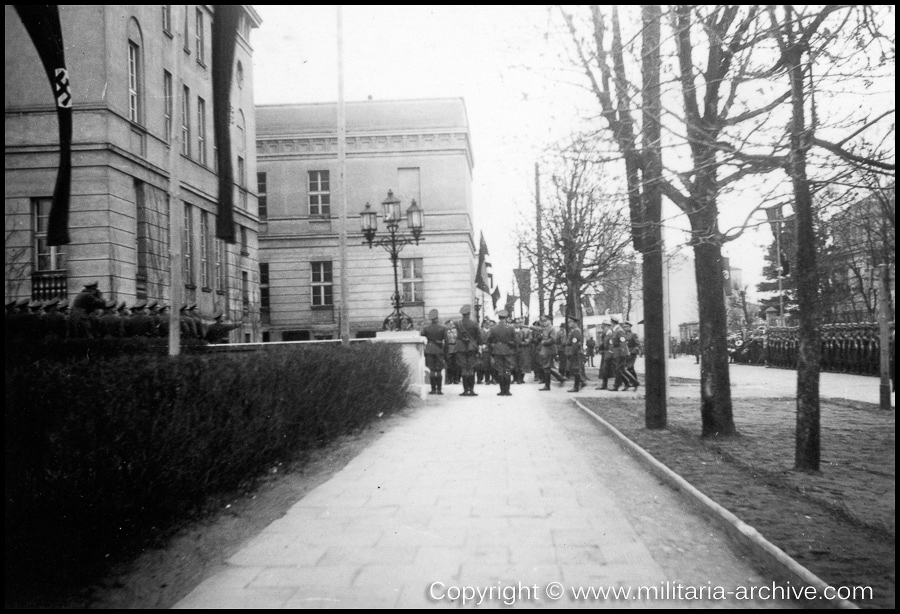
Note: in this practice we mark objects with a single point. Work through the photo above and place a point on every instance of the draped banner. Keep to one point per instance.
(224, 37)
(511, 304)
(523, 280)
(495, 297)
(483, 276)
(42, 23)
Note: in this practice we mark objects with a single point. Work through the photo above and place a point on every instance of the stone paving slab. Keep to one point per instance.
(498, 494)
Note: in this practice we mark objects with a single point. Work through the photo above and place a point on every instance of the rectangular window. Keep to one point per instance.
(168, 102)
(200, 38)
(167, 18)
(411, 281)
(186, 121)
(261, 190)
(47, 257)
(134, 110)
(242, 180)
(322, 284)
(319, 193)
(187, 29)
(221, 269)
(204, 249)
(187, 246)
(201, 130)
(245, 248)
(264, 286)
(245, 292)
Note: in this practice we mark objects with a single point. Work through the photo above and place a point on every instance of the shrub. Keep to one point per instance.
(104, 454)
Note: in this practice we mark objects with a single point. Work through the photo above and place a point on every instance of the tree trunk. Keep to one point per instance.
(715, 382)
(807, 453)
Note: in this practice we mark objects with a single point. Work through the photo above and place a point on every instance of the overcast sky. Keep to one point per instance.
(495, 58)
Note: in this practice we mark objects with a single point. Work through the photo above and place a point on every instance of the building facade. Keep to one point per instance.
(144, 169)
(417, 150)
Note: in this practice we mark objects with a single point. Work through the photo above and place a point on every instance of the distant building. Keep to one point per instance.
(417, 149)
(142, 84)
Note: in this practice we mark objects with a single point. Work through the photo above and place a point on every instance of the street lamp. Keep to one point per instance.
(393, 244)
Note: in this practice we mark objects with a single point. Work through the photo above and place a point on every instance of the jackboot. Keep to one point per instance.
(472, 392)
(577, 386)
(439, 380)
(546, 381)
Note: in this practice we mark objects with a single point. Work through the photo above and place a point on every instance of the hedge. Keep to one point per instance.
(104, 455)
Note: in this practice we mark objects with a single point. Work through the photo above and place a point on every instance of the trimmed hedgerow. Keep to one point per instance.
(103, 455)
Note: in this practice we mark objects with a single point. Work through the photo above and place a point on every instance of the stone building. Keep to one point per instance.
(142, 115)
(415, 149)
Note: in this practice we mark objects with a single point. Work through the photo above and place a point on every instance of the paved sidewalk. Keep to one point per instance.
(485, 493)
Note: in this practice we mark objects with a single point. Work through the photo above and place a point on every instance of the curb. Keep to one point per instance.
(762, 549)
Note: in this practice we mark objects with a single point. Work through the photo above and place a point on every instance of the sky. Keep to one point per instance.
(497, 58)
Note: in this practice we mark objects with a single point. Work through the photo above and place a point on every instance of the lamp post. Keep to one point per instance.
(393, 244)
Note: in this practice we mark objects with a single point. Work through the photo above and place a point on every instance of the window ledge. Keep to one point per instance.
(190, 286)
(322, 307)
(205, 289)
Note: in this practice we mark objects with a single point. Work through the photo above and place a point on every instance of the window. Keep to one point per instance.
(167, 18)
(412, 280)
(187, 247)
(187, 29)
(261, 190)
(264, 286)
(134, 82)
(319, 193)
(245, 292)
(186, 121)
(201, 130)
(47, 257)
(221, 269)
(204, 250)
(239, 76)
(322, 284)
(168, 101)
(200, 38)
(245, 250)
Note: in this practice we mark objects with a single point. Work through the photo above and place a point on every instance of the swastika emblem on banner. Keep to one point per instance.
(61, 89)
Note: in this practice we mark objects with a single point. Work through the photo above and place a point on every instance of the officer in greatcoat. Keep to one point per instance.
(89, 300)
(575, 350)
(435, 345)
(501, 344)
(604, 342)
(468, 338)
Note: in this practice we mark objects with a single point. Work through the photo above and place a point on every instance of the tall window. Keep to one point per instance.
(221, 267)
(187, 29)
(319, 193)
(167, 18)
(134, 82)
(412, 280)
(187, 246)
(322, 284)
(245, 292)
(200, 38)
(204, 250)
(47, 257)
(201, 130)
(186, 121)
(168, 102)
(245, 248)
(264, 286)
(261, 191)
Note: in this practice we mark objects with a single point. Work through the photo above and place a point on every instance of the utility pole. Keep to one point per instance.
(176, 208)
(342, 184)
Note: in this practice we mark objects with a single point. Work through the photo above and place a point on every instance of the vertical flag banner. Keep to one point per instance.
(42, 23)
(587, 305)
(495, 297)
(224, 34)
(483, 274)
(510, 303)
(523, 279)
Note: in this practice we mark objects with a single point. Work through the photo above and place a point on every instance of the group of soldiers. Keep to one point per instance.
(91, 316)
(845, 348)
(504, 351)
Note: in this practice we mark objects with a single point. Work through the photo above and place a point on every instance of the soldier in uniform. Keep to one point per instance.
(606, 361)
(562, 340)
(574, 351)
(109, 323)
(161, 321)
(140, 324)
(590, 347)
(548, 352)
(524, 351)
(436, 336)
(633, 342)
(619, 354)
(55, 324)
(501, 344)
(83, 306)
(452, 367)
(468, 338)
(188, 325)
(219, 330)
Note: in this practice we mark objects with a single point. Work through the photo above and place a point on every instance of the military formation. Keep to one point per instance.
(91, 316)
(845, 348)
(505, 351)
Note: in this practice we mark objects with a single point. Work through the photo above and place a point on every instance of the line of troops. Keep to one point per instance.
(504, 351)
(91, 316)
(846, 348)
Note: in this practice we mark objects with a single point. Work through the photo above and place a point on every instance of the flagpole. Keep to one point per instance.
(342, 173)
